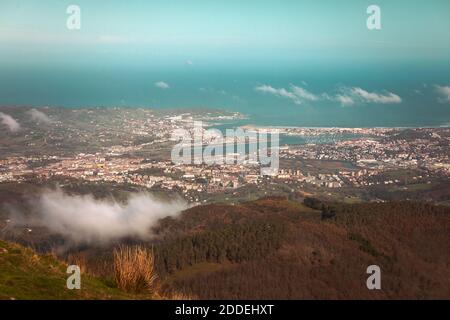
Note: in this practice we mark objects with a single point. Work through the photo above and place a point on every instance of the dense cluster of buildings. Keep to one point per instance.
(368, 158)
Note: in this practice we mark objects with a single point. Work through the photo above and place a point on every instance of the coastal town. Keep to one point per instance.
(331, 158)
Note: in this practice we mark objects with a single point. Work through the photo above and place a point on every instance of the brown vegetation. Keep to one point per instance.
(324, 256)
(134, 269)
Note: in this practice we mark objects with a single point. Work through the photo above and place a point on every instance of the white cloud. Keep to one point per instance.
(189, 62)
(296, 94)
(345, 100)
(304, 94)
(39, 116)
(162, 85)
(345, 96)
(9, 122)
(356, 95)
(373, 97)
(84, 219)
(278, 92)
(444, 92)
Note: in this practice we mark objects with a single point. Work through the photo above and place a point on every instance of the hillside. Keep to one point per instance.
(271, 248)
(27, 275)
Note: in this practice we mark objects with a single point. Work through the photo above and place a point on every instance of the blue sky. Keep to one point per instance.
(212, 32)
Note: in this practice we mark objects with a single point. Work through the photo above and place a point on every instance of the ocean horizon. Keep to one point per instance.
(238, 90)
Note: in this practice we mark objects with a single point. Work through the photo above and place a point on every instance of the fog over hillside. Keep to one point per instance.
(84, 219)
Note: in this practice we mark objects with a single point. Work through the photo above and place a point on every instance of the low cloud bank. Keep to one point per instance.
(39, 116)
(84, 219)
(9, 122)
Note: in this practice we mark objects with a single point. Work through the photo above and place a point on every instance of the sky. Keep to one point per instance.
(289, 62)
(165, 32)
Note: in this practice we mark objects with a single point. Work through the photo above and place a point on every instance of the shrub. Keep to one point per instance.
(313, 203)
(134, 269)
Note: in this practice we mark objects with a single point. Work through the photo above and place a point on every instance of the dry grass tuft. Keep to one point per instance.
(134, 269)
(79, 260)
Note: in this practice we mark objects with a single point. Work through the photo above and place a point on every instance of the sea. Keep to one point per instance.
(234, 89)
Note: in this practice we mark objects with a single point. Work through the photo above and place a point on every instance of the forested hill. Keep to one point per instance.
(274, 248)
